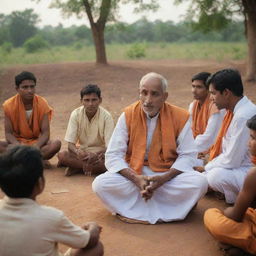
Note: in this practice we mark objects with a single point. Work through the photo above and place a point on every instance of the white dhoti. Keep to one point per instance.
(170, 202)
(227, 181)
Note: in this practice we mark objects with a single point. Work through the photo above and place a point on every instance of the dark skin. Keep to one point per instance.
(244, 199)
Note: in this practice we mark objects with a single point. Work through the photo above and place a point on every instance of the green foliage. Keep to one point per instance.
(137, 51)
(35, 44)
(218, 51)
(18, 27)
(7, 47)
(208, 15)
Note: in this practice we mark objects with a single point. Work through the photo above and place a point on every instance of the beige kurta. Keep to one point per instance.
(93, 135)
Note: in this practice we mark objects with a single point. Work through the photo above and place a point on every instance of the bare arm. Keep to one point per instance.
(244, 199)
(10, 138)
(72, 147)
(44, 132)
(94, 230)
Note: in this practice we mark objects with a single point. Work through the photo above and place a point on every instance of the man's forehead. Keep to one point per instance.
(198, 83)
(25, 82)
(91, 95)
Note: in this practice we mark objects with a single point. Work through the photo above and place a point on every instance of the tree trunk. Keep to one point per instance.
(99, 42)
(250, 11)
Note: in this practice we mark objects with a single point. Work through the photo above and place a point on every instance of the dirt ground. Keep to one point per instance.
(61, 84)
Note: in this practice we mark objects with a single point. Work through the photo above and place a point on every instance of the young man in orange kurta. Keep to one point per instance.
(236, 226)
(205, 117)
(27, 118)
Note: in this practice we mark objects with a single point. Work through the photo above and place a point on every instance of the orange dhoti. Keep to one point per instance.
(239, 234)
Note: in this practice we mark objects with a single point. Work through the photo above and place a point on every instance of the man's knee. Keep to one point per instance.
(55, 145)
(97, 184)
(212, 221)
(216, 178)
(62, 156)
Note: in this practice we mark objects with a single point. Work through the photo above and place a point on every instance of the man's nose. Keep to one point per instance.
(148, 99)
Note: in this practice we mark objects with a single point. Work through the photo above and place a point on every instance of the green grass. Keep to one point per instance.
(218, 51)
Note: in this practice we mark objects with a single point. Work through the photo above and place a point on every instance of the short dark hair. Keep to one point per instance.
(24, 75)
(89, 89)
(251, 123)
(20, 169)
(202, 76)
(227, 79)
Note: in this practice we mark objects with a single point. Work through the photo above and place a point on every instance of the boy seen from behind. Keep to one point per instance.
(29, 229)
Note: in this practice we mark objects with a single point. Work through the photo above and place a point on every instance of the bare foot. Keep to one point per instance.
(47, 164)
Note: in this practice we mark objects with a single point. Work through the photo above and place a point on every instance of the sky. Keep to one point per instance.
(53, 17)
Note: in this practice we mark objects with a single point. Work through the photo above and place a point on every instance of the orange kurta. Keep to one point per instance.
(26, 131)
(201, 115)
(162, 152)
(217, 147)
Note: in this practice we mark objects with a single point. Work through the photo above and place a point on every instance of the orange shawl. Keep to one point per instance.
(162, 152)
(216, 148)
(201, 115)
(26, 132)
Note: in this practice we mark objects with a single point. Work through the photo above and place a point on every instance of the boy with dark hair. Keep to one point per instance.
(236, 226)
(29, 229)
(205, 117)
(89, 130)
(27, 119)
(229, 159)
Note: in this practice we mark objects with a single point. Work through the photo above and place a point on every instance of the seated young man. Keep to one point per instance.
(27, 119)
(236, 226)
(29, 229)
(229, 158)
(89, 130)
(205, 117)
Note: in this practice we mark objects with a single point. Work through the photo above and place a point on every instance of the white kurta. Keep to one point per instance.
(205, 141)
(172, 201)
(226, 172)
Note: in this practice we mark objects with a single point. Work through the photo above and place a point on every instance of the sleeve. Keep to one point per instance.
(72, 130)
(234, 147)
(117, 147)
(108, 129)
(205, 140)
(186, 150)
(70, 234)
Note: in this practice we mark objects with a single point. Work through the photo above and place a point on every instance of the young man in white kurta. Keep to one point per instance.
(226, 172)
(172, 200)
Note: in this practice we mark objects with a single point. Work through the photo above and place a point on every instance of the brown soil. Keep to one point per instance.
(61, 84)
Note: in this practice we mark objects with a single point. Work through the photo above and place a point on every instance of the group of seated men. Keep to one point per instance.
(160, 159)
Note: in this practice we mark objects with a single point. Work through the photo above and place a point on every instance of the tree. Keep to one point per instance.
(99, 12)
(216, 14)
(22, 26)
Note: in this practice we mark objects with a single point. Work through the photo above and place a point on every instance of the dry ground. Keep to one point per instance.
(60, 84)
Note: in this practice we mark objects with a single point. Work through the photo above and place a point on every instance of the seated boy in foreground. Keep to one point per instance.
(236, 226)
(29, 229)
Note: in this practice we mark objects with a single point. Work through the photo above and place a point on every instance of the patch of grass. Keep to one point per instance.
(155, 51)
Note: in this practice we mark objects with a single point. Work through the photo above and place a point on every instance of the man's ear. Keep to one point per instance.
(227, 92)
(41, 184)
(166, 95)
